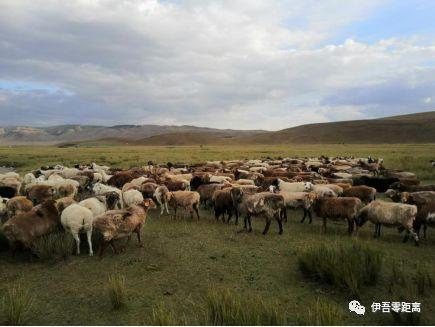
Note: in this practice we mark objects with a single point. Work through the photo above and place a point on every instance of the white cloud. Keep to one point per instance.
(238, 64)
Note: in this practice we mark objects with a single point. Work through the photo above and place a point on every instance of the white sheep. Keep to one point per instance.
(101, 189)
(294, 187)
(220, 179)
(389, 214)
(132, 197)
(97, 205)
(162, 197)
(76, 218)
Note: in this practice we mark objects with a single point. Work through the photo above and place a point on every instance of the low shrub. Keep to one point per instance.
(322, 313)
(227, 308)
(351, 264)
(164, 316)
(116, 290)
(17, 303)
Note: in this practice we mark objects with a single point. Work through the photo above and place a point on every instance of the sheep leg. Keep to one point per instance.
(324, 225)
(279, 221)
(112, 244)
(77, 238)
(230, 215)
(379, 230)
(237, 217)
(424, 231)
(305, 215)
(250, 224)
(266, 228)
(166, 206)
(195, 207)
(415, 236)
(310, 216)
(283, 213)
(349, 227)
(137, 230)
(405, 239)
(103, 247)
(89, 237)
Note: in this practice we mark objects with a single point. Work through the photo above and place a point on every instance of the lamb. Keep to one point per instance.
(120, 178)
(188, 200)
(389, 214)
(26, 227)
(365, 193)
(132, 197)
(76, 218)
(338, 208)
(18, 205)
(116, 224)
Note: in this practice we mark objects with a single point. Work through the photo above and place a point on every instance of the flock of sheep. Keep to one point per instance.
(114, 202)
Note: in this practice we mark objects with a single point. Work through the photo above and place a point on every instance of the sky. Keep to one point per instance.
(241, 64)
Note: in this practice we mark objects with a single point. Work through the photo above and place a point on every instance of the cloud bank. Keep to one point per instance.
(225, 64)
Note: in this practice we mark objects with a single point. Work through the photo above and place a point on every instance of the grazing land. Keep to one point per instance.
(171, 277)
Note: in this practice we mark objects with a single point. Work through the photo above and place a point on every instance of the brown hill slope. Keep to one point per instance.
(414, 128)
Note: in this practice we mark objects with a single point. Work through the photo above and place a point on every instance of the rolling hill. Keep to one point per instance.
(413, 128)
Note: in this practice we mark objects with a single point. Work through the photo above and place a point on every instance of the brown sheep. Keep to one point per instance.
(176, 185)
(25, 228)
(63, 203)
(120, 178)
(39, 193)
(223, 204)
(366, 194)
(338, 208)
(147, 189)
(18, 205)
(116, 224)
(187, 200)
(206, 192)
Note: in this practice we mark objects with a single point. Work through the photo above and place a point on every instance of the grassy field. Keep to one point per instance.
(412, 157)
(171, 277)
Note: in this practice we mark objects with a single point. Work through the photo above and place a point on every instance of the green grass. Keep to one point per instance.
(116, 290)
(350, 265)
(16, 305)
(169, 279)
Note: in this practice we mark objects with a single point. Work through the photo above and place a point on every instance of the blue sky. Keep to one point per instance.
(225, 64)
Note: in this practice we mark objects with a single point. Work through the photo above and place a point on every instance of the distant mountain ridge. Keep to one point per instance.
(412, 128)
(78, 133)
